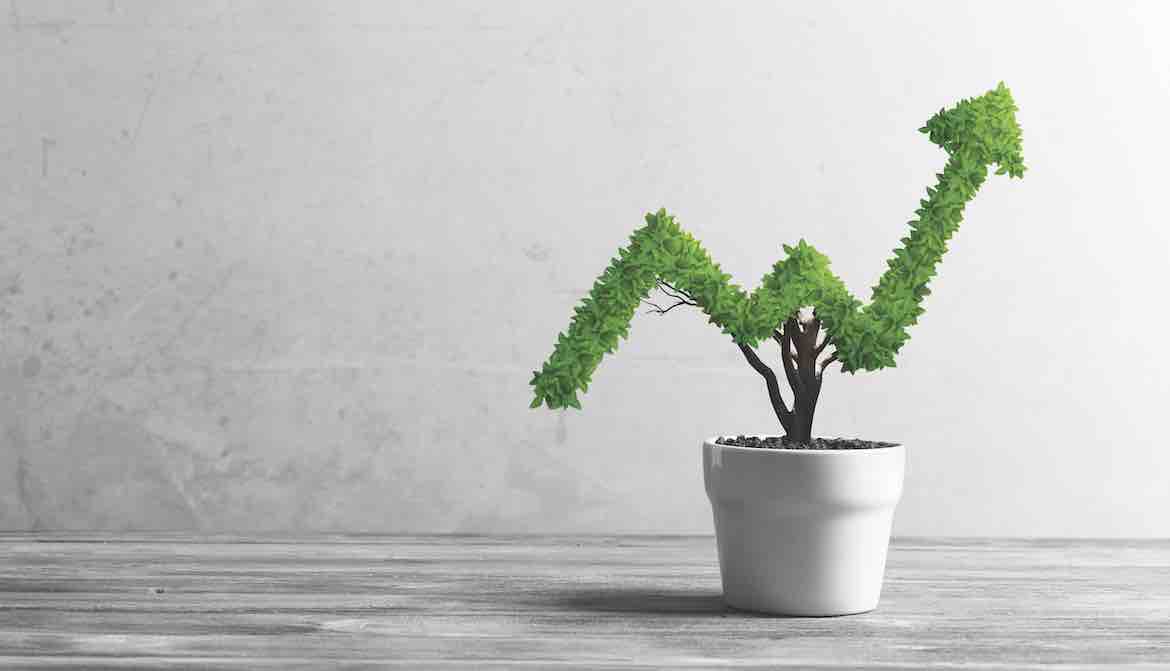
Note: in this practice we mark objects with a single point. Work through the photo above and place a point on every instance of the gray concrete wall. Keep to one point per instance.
(291, 265)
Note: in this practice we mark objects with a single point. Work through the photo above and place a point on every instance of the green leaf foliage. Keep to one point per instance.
(975, 133)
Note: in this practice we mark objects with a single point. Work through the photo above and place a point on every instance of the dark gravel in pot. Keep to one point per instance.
(782, 443)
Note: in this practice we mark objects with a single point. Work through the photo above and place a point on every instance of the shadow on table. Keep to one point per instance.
(643, 601)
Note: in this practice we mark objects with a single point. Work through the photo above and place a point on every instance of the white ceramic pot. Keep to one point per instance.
(802, 532)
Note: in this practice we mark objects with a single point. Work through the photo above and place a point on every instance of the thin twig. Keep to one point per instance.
(659, 310)
(825, 364)
(666, 290)
(675, 293)
(824, 343)
(671, 286)
(682, 298)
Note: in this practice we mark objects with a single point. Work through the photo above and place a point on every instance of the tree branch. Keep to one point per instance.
(788, 356)
(678, 294)
(811, 330)
(657, 309)
(782, 412)
(824, 343)
(682, 298)
(825, 364)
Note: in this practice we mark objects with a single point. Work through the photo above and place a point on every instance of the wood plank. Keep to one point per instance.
(123, 601)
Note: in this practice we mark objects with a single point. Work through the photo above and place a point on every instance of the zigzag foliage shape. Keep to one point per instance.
(976, 133)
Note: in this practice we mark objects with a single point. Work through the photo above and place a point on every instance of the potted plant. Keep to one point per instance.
(802, 525)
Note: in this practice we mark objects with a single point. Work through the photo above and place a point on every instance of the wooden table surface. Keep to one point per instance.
(171, 601)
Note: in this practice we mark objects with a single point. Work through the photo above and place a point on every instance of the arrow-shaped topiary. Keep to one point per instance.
(976, 133)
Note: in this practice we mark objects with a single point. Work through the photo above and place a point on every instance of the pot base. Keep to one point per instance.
(769, 613)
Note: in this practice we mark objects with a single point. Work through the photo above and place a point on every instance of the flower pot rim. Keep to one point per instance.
(711, 441)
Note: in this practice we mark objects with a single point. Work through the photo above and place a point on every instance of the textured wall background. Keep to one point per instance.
(290, 265)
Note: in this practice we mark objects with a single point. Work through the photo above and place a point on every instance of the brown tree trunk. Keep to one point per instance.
(802, 416)
(799, 352)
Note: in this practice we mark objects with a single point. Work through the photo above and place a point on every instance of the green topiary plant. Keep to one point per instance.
(975, 133)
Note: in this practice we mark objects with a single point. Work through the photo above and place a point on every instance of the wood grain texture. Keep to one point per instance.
(172, 601)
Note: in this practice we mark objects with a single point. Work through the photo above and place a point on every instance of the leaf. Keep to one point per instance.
(975, 133)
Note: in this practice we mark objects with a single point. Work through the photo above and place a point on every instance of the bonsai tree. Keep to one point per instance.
(839, 328)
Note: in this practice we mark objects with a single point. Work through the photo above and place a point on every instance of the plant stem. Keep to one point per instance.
(799, 352)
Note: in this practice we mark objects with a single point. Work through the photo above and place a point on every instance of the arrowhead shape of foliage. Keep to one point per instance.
(976, 133)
